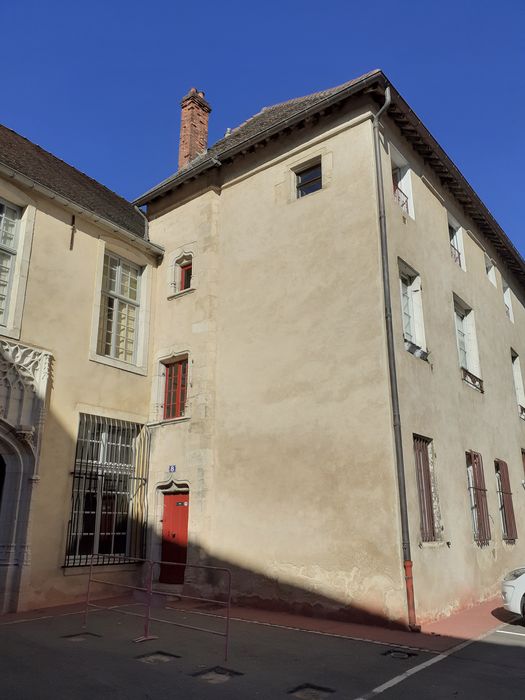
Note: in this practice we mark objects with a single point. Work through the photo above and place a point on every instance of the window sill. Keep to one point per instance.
(13, 333)
(169, 421)
(472, 381)
(415, 350)
(118, 364)
(182, 293)
(433, 544)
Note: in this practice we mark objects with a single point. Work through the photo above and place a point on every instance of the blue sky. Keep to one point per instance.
(99, 83)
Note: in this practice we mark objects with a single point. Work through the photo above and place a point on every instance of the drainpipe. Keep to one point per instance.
(394, 396)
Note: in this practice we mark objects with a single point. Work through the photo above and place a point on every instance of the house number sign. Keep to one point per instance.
(172, 468)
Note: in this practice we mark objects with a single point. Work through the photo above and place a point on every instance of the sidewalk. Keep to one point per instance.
(434, 637)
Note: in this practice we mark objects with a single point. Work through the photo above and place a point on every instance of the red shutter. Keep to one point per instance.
(424, 487)
(480, 498)
(510, 531)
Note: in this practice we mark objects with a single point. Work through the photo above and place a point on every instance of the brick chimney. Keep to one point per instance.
(193, 126)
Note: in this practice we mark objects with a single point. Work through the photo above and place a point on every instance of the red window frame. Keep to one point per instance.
(175, 388)
(185, 275)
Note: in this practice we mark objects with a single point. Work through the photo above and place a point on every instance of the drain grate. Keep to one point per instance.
(310, 692)
(399, 653)
(157, 657)
(80, 637)
(216, 675)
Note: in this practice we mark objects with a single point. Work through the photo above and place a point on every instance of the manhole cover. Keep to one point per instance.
(80, 637)
(311, 692)
(216, 675)
(399, 653)
(157, 657)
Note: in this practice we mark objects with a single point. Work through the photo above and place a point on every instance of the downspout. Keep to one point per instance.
(394, 395)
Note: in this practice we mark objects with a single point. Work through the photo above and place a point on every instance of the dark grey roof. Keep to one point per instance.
(255, 128)
(45, 169)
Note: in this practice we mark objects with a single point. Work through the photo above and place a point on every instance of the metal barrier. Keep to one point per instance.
(149, 592)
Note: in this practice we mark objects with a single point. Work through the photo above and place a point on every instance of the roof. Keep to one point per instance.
(254, 128)
(279, 118)
(26, 158)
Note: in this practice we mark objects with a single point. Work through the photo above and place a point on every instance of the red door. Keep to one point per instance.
(174, 536)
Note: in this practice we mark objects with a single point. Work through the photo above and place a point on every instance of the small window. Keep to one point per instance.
(182, 274)
(478, 499)
(119, 309)
(467, 344)
(428, 501)
(309, 180)
(506, 508)
(490, 269)
(507, 300)
(175, 388)
(401, 182)
(185, 275)
(9, 223)
(412, 310)
(518, 382)
(455, 237)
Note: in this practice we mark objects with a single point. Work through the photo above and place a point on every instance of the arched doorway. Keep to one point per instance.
(16, 471)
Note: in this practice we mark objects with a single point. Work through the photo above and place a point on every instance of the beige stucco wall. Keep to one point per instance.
(63, 289)
(294, 462)
(436, 403)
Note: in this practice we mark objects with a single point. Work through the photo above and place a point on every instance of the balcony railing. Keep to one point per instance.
(401, 198)
(471, 379)
(521, 410)
(455, 254)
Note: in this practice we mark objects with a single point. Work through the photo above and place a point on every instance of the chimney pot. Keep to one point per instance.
(195, 112)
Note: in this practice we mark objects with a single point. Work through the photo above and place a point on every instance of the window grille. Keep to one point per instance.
(108, 511)
(506, 508)
(426, 490)
(478, 499)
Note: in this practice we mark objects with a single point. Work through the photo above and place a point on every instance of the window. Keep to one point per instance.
(506, 509)
(175, 388)
(490, 269)
(478, 499)
(507, 300)
(428, 502)
(518, 382)
(119, 309)
(467, 344)
(9, 224)
(109, 492)
(401, 182)
(185, 275)
(412, 310)
(455, 237)
(308, 180)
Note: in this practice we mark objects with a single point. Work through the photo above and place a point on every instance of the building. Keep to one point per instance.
(324, 372)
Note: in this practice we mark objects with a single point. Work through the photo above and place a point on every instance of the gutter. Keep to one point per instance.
(394, 394)
(143, 243)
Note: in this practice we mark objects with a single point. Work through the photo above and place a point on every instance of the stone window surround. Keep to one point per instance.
(123, 251)
(163, 358)
(176, 257)
(303, 161)
(27, 206)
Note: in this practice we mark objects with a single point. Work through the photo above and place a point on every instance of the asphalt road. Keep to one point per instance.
(40, 660)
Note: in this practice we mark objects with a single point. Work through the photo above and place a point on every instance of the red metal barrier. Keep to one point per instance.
(150, 591)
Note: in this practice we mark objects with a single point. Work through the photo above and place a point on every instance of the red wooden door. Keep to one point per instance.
(174, 536)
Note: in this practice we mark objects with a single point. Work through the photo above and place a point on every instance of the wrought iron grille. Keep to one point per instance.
(108, 509)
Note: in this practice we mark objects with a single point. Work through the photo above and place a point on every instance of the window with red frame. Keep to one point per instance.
(185, 275)
(175, 390)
